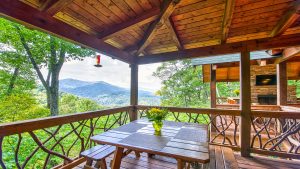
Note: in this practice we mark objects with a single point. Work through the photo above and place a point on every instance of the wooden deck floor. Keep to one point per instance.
(159, 162)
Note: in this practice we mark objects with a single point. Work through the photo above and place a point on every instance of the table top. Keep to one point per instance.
(187, 141)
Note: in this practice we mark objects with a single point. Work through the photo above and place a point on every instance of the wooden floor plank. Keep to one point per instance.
(159, 162)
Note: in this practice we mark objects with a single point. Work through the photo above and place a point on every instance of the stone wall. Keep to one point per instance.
(267, 90)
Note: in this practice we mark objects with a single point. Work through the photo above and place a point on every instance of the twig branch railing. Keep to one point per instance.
(225, 130)
(275, 133)
(48, 142)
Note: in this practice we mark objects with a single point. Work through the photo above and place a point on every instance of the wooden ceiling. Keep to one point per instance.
(230, 72)
(151, 28)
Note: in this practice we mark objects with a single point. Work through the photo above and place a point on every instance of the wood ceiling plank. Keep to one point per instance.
(257, 11)
(115, 9)
(203, 23)
(141, 20)
(167, 10)
(210, 9)
(200, 18)
(287, 54)
(172, 30)
(246, 37)
(104, 10)
(254, 22)
(196, 6)
(135, 6)
(251, 45)
(65, 17)
(290, 16)
(125, 8)
(31, 17)
(146, 5)
(259, 4)
(54, 6)
(202, 44)
(90, 12)
(228, 15)
(195, 31)
(82, 19)
(265, 16)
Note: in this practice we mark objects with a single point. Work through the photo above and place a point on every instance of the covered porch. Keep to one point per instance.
(145, 32)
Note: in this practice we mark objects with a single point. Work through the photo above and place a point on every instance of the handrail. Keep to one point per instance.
(276, 114)
(35, 124)
(234, 112)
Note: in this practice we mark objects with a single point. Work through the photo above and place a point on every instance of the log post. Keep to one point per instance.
(213, 94)
(281, 84)
(134, 91)
(281, 93)
(245, 104)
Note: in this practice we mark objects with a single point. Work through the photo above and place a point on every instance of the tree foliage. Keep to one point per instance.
(183, 85)
(20, 107)
(41, 50)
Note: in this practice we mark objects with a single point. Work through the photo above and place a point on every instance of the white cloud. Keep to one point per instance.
(113, 71)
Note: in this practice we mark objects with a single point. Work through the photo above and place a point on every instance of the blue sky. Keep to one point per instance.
(113, 71)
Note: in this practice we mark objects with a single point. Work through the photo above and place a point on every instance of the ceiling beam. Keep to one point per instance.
(167, 9)
(287, 19)
(227, 18)
(170, 26)
(141, 20)
(33, 18)
(288, 53)
(222, 49)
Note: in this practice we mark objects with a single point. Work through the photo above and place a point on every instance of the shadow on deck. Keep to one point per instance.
(159, 162)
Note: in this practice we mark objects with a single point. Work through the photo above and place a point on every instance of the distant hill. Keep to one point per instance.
(104, 93)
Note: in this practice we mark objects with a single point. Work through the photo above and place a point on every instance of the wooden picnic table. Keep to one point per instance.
(186, 142)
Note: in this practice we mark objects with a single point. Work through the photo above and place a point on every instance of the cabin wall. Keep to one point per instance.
(270, 89)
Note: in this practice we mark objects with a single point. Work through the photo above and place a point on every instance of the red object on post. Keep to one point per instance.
(98, 58)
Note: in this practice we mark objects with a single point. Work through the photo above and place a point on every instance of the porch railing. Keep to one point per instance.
(273, 133)
(49, 142)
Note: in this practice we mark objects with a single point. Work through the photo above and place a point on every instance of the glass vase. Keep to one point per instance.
(157, 125)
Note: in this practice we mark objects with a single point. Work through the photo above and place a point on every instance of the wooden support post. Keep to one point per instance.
(281, 84)
(134, 91)
(213, 95)
(245, 104)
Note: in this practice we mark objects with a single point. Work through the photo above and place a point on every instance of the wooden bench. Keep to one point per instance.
(97, 154)
(222, 158)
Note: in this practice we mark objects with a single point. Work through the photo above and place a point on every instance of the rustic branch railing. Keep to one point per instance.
(276, 133)
(225, 130)
(48, 142)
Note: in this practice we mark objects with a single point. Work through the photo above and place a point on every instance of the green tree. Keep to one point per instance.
(42, 50)
(17, 107)
(70, 103)
(182, 85)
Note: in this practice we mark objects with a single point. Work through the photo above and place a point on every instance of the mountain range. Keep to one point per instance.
(104, 93)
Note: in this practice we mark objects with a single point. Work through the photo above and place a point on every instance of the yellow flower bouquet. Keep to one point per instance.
(157, 116)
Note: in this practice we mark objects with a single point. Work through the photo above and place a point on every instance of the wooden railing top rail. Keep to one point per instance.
(276, 114)
(35, 124)
(234, 112)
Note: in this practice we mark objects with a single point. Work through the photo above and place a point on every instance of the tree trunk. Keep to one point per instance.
(12, 81)
(53, 94)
